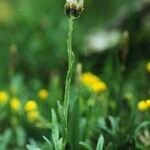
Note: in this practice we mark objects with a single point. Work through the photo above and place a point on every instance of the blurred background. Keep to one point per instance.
(33, 45)
(33, 36)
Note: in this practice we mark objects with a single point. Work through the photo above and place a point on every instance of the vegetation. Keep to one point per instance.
(88, 89)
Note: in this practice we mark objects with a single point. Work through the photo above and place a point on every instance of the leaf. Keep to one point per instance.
(55, 130)
(61, 113)
(74, 123)
(20, 136)
(60, 144)
(100, 143)
(32, 147)
(48, 142)
(102, 125)
(5, 139)
(85, 145)
(137, 130)
(142, 125)
(114, 125)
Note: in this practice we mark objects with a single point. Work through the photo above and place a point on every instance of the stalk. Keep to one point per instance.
(69, 74)
(73, 9)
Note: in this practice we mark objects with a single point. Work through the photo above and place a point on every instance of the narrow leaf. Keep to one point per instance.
(100, 144)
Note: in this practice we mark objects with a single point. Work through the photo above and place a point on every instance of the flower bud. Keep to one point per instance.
(73, 8)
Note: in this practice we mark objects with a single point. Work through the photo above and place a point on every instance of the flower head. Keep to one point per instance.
(3, 97)
(142, 105)
(31, 105)
(74, 8)
(93, 82)
(99, 87)
(43, 94)
(15, 104)
(88, 78)
(72, 1)
(148, 102)
(148, 67)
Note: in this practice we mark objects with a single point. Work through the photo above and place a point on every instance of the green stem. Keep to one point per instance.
(69, 74)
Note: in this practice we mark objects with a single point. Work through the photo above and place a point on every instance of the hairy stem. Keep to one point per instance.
(69, 74)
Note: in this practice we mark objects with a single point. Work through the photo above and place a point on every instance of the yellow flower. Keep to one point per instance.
(33, 116)
(148, 102)
(15, 104)
(88, 78)
(31, 105)
(142, 105)
(93, 82)
(148, 67)
(43, 94)
(3, 97)
(99, 87)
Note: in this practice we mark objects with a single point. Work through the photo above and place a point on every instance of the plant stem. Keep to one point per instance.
(69, 74)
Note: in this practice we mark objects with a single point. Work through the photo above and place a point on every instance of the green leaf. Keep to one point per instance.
(60, 144)
(142, 125)
(85, 145)
(5, 139)
(48, 142)
(100, 144)
(61, 113)
(137, 130)
(32, 147)
(55, 130)
(74, 122)
(114, 125)
(20, 136)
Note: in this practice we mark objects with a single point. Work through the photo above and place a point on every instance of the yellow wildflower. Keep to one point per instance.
(31, 105)
(33, 116)
(3, 97)
(93, 82)
(43, 94)
(88, 78)
(99, 87)
(148, 102)
(142, 105)
(148, 67)
(15, 104)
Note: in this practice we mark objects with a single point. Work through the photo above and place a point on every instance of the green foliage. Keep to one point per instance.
(5, 139)
(100, 143)
(33, 57)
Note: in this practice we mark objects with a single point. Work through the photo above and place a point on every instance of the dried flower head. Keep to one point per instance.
(73, 8)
